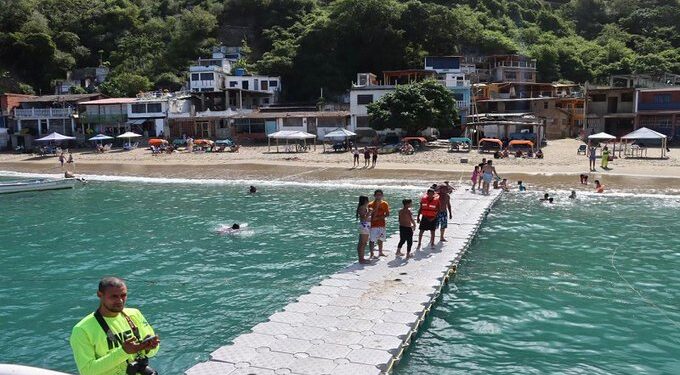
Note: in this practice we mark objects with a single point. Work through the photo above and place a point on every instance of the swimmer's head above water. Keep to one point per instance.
(252, 189)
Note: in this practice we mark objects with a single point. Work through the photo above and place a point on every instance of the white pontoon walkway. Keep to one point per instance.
(359, 320)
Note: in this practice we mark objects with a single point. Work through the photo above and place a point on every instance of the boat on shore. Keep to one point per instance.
(36, 185)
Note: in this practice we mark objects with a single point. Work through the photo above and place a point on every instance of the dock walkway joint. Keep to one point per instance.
(360, 320)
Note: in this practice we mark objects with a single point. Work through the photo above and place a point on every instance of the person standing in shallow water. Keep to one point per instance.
(363, 213)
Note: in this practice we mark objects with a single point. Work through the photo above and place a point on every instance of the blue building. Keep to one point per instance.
(454, 74)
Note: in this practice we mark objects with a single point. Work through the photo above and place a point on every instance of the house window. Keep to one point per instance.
(627, 97)
(510, 75)
(154, 107)
(264, 86)
(207, 76)
(529, 76)
(545, 105)
(599, 97)
(364, 99)
(244, 85)
(195, 76)
(139, 108)
(265, 101)
(233, 84)
(458, 96)
(662, 98)
(273, 83)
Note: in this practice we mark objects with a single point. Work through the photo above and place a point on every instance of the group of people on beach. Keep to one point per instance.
(433, 213)
(370, 157)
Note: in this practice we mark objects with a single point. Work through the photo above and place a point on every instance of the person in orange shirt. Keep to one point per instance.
(427, 216)
(380, 210)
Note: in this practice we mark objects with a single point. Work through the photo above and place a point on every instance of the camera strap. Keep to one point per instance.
(107, 330)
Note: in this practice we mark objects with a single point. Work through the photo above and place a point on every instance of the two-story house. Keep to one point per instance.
(219, 73)
(107, 116)
(559, 106)
(610, 110)
(659, 109)
(41, 115)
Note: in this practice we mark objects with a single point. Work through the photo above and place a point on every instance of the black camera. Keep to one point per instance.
(140, 366)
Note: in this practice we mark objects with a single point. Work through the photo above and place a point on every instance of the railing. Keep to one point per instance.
(515, 64)
(103, 119)
(462, 104)
(43, 113)
(658, 106)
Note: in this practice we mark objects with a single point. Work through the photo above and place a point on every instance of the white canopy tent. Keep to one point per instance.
(55, 137)
(289, 135)
(337, 135)
(603, 137)
(647, 134)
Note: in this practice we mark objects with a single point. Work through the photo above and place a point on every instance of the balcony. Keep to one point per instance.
(462, 104)
(659, 106)
(43, 113)
(515, 64)
(93, 118)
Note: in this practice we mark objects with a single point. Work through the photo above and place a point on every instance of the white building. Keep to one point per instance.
(150, 111)
(215, 74)
(364, 92)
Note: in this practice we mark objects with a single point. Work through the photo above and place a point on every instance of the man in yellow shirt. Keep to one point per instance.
(113, 340)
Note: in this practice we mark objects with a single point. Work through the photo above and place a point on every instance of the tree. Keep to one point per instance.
(125, 85)
(414, 108)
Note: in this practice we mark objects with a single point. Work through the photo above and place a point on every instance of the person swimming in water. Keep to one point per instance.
(229, 230)
(573, 194)
(252, 189)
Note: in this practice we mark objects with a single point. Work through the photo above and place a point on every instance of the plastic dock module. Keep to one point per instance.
(360, 320)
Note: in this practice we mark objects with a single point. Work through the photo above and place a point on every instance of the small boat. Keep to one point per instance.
(36, 185)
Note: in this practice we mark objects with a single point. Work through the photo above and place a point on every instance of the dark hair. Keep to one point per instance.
(519, 182)
(546, 195)
(378, 191)
(110, 282)
(406, 201)
(550, 200)
(235, 226)
(362, 201)
(597, 181)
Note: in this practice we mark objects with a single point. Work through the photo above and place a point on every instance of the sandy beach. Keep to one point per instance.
(560, 167)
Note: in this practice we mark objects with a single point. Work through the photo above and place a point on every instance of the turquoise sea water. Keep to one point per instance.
(537, 293)
(199, 290)
(584, 287)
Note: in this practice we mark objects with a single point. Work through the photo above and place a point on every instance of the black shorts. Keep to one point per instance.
(428, 224)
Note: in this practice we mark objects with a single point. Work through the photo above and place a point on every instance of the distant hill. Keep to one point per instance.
(323, 43)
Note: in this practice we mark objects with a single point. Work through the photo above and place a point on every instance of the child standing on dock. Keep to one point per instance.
(406, 226)
(475, 177)
(364, 215)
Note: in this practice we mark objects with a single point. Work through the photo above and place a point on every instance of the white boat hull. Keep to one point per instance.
(7, 369)
(36, 185)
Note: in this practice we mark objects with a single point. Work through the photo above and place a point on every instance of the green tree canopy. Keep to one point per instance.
(414, 108)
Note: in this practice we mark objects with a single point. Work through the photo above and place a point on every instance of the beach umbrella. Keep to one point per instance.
(100, 137)
(55, 137)
(129, 135)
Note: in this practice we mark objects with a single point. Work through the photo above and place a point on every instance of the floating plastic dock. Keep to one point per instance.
(360, 320)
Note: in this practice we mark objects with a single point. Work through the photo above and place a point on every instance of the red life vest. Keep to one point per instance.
(429, 208)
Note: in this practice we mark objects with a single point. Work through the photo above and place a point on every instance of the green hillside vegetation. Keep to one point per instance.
(324, 43)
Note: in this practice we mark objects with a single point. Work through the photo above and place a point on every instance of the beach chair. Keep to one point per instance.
(107, 147)
(582, 149)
